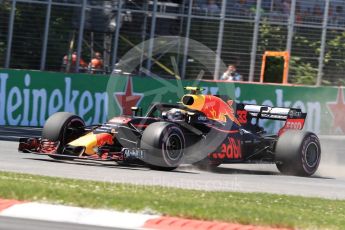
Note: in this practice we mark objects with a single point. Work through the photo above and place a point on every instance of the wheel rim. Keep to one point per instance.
(312, 155)
(173, 148)
(68, 133)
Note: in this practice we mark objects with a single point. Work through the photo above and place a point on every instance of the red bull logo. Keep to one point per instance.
(230, 149)
(90, 141)
(104, 138)
(213, 107)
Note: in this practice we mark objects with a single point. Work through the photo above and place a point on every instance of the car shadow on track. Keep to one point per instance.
(243, 171)
(260, 172)
(187, 169)
(106, 165)
(263, 172)
(228, 170)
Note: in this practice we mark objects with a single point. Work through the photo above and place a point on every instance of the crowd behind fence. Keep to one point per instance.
(54, 35)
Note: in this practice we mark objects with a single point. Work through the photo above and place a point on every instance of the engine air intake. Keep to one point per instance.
(188, 100)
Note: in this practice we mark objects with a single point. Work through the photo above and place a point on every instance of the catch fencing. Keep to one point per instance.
(39, 34)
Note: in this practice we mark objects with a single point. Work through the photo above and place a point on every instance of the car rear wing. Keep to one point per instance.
(294, 118)
(274, 113)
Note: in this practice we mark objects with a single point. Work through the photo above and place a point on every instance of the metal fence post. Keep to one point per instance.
(323, 44)
(291, 25)
(152, 35)
(255, 40)
(81, 35)
(10, 34)
(143, 37)
(220, 40)
(186, 42)
(45, 38)
(116, 35)
(181, 29)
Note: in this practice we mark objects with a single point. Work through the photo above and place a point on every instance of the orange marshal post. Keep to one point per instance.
(285, 55)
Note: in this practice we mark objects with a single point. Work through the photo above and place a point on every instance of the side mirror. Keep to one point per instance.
(136, 111)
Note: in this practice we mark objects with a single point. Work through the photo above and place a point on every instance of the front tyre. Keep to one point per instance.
(298, 153)
(165, 145)
(62, 127)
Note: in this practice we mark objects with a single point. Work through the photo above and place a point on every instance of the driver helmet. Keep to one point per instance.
(176, 114)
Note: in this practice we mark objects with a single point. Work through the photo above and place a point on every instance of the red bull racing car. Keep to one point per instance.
(204, 130)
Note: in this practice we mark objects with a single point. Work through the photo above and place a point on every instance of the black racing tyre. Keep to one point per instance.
(165, 145)
(298, 153)
(63, 127)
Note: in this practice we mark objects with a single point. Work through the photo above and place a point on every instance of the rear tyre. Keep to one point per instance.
(165, 145)
(63, 127)
(298, 153)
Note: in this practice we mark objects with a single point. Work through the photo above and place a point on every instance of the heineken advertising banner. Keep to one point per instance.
(28, 98)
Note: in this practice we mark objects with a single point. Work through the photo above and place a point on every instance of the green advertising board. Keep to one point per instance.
(27, 98)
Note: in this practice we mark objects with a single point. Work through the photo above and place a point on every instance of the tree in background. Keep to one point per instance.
(335, 58)
(273, 38)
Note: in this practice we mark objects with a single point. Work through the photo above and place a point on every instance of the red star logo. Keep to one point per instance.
(128, 99)
(337, 109)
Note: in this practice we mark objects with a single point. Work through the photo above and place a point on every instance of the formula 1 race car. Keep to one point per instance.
(204, 130)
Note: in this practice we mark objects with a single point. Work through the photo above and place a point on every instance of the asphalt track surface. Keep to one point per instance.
(329, 182)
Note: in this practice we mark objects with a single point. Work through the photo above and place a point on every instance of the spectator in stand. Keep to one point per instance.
(231, 74)
(286, 6)
(69, 63)
(298, 14)
(339, 16)
(211, 7)
(96, 64)
(317, 13)
(330, 13)
(198, 3)
(242, 7)
(278, 6)
(266, 5)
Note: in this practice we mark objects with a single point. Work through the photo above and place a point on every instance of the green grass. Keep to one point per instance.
(245, 208)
